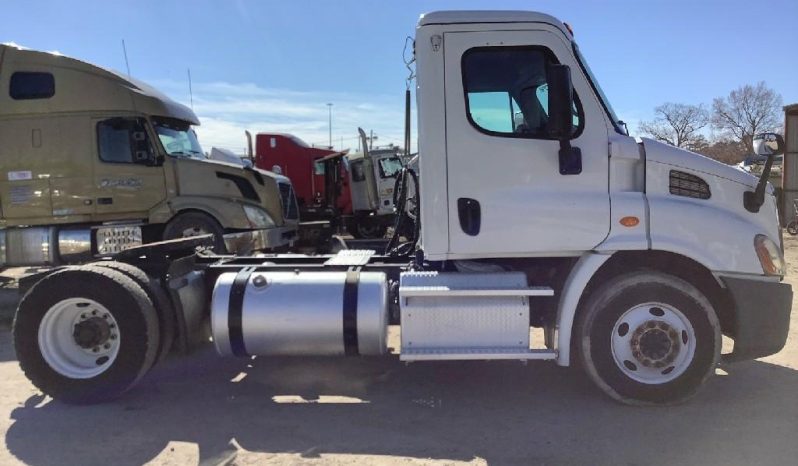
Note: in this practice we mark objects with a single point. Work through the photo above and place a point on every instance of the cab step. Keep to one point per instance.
(478, 354)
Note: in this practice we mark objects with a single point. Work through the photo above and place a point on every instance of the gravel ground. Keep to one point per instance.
(208, 410)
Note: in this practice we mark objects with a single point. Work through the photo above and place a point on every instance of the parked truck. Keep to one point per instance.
(93, 162)
(633, 257)
(354, 191)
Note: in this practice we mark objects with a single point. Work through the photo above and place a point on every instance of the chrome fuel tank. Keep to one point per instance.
(300, 313)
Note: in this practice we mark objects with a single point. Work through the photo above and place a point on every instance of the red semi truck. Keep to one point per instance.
(351, 190)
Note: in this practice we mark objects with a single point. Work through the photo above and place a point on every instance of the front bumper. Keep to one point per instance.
(246, 242)
(762, 317)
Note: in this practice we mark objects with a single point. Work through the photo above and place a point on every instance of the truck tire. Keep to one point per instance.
(188, 224)
(85, 334)
(163, 305)
(365, 228)
(648, 338)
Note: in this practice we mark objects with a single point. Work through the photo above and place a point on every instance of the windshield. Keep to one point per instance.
(178, 139)
(389, 167)
(593, 82)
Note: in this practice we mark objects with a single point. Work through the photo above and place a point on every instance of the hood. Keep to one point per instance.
(213, 178)
(665, 153)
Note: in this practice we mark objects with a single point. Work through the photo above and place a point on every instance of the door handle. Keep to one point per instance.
(470, 214)
(105, 200)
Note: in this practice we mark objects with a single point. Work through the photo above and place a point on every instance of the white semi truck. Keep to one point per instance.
(535, 209)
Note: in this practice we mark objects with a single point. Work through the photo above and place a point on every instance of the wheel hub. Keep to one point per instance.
(91, 332)
(655, 344)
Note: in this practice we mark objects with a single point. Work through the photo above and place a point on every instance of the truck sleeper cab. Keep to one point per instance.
(536, 210)
(94, 162)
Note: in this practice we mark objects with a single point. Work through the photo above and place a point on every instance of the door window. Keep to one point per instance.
(124, 140)
(390, 167)
(507, 93)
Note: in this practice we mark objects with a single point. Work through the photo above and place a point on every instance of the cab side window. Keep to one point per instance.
(124, 140)
(507, 93)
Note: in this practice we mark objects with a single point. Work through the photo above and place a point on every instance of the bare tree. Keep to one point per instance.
(677, 124)
(724, 150)
(746, 111)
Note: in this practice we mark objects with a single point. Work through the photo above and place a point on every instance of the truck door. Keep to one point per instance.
(506, 193)
(129, 178)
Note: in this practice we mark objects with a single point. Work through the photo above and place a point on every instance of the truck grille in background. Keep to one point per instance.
(687, 185)
(290, 208)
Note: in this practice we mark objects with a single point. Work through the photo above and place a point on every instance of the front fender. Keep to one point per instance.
(719, 239)
(229, 214)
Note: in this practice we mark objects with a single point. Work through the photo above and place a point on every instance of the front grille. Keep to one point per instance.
(290, 208)
(687, 185)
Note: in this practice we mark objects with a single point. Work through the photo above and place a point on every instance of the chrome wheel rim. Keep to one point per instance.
(653, 343)
(79, 338)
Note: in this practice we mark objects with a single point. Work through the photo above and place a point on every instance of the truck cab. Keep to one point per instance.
(541, 231)
(93, 162)
(354, 190)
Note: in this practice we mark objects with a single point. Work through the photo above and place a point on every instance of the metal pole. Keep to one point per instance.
(124, 51)
(329, 107)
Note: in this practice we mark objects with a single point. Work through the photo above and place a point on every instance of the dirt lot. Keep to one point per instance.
(209, 410)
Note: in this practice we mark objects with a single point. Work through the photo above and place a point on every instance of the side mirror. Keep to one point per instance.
(561, 96)
(768, 144)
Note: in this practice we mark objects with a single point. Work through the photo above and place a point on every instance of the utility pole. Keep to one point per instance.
(372, 137)
(329, 107)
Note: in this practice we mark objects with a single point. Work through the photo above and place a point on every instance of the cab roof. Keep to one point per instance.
(489, 16)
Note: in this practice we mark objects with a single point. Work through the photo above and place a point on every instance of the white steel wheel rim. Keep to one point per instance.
(653, 343)
(59, 344)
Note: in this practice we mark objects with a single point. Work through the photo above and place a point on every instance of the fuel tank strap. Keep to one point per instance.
(235, 311)
(350, 312)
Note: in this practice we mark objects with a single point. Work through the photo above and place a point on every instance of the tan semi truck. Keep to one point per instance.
(93, 162)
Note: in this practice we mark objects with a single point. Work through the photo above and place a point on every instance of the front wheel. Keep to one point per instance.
(366, 228)
(792, 228)
(189, 224)
(648, 338)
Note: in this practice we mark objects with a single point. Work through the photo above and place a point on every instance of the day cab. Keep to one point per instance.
(629, 258)
(93, 162)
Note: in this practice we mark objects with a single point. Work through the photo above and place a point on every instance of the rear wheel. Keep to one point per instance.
(792, 228)
(163, 306)
(188, 224)
(85, 334)
(648, 338)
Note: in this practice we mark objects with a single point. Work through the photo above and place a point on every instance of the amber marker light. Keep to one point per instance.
(630, 221)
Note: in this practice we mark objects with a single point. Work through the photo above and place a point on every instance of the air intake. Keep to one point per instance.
(687, 185)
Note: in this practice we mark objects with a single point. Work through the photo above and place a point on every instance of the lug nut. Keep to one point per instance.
(106, 346)
(113, 336)
(96, 350)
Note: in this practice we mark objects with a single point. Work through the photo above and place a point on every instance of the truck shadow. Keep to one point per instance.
(501, 411)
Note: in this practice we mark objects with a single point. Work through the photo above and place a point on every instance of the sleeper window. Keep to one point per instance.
(26, 85)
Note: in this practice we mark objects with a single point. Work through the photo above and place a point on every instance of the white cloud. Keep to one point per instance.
(227, 109)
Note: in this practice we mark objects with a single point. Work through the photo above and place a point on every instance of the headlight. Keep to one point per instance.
(258, 218)
(770, 256)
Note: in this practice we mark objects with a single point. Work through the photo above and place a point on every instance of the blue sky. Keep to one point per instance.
(273, 65)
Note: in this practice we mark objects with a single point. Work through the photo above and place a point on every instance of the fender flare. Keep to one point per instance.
(573, 289)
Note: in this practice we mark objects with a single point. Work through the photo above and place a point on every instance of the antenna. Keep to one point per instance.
(127, 65)
(190, 92)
